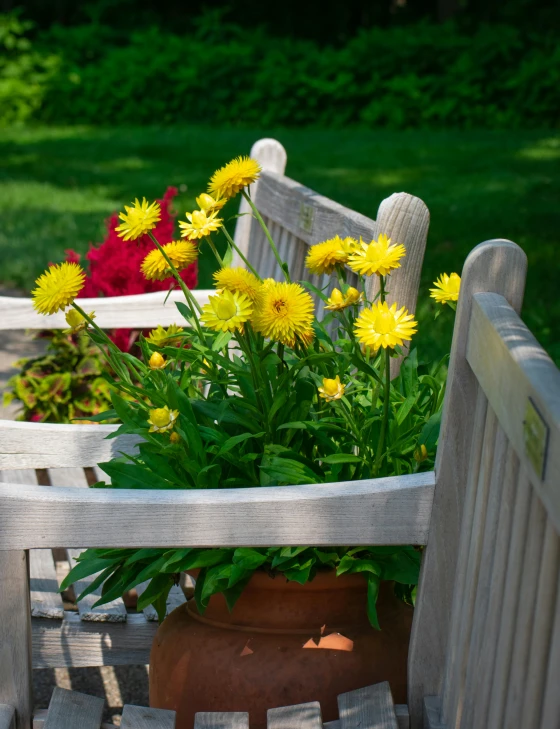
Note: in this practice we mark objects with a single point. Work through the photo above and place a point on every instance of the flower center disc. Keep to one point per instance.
(280, 307)
(384, 322)
(224, 309)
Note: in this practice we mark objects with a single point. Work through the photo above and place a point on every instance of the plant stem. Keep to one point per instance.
(111, 346)
(387, 393)
(191, 301)
(184, 288)
(239, 253)
(214, 251)
(281, 263)
(385, 421)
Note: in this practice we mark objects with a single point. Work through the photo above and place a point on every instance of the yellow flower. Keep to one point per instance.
(227, 311)
(208, 203)
(381, 326)
(162, 419)
(324, 257)
(285, 312)
(138, 219)
(157, 362)
(161, 337)
(446, 288)
(332, 389)
(233, 177)
(338, 300)
(76, 321)
(181, 253)
(239, 280)
(420, 454)
(201, 224)
(58, 287)
(378, 257)
(175, 437)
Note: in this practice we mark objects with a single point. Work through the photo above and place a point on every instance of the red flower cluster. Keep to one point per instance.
(114, 266)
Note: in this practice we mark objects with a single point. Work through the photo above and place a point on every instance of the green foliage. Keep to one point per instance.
(24, 72)
(65, 384)
(423, 75)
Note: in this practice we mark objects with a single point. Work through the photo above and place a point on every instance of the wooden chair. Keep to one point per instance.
(485, 649)
(62, 456)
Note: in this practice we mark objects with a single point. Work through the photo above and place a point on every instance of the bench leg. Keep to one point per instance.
(16, 687)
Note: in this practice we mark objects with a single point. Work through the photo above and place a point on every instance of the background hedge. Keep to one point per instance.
(426, 75)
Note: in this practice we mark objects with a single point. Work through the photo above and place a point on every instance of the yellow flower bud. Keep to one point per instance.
(157, 361)
(420, 454)
(332, 389)
(175, 438)
(76, 321)
(353, 296)
(207, 203)
(335, 301)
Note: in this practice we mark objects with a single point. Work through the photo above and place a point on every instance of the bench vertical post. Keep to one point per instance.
(405, 219)
(498, 266)
(16, 685)
(272, 156)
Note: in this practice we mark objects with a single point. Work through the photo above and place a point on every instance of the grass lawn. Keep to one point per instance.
(57, 185)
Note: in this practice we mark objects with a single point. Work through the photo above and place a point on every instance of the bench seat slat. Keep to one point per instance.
(300, 716)
(73, 710)
(142, 717)
(368, 708)
(221, 720)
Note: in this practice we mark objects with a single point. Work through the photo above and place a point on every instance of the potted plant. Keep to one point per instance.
(254, 391)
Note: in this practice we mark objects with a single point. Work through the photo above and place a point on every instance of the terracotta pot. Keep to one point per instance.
(282, 644)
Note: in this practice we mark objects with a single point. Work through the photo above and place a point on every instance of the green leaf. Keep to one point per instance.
(342, 458)
(373, 583)
(161, 584)
(133, 476)
(221, 341)
(236, 440)
(430, 432)
(85, 568)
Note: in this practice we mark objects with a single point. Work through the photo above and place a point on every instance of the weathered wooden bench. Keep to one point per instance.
(485, 649)
(35, 456)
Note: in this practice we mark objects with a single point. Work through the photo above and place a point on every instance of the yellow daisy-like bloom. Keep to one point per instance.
(285, 312)
(76, 321)
(325, 257)
(233, 177)
(227, 311)
(161, 337)
(162, 419)
(58, 287)
(381, 326)
(208, 203)
(138, 219)
(337, 300)
(239, 280)
(446, 288)
(201, 224)
(157, 361)
(332, 389)
(378, 257)
(181, 254)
